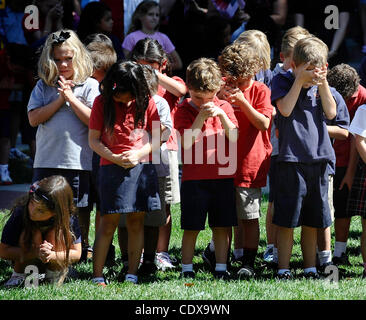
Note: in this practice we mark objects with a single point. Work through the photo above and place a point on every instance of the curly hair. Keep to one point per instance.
(344, 79)
(203, 75)
(239, 60)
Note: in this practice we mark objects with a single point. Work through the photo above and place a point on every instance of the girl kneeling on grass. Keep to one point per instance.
(126, 185)
(42, 230)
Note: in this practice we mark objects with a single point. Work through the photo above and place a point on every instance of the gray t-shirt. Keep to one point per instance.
(62, 141)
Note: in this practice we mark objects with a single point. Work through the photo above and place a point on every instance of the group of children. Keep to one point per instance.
(236, 122)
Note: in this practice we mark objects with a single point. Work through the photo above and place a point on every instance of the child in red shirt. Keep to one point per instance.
(252, 105)
(126, 185)
(208, 129)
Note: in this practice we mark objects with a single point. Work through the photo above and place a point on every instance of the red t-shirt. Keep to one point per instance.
(342, 147)
(254, 146)
(123, 138)
(172, 143)
(209, 154)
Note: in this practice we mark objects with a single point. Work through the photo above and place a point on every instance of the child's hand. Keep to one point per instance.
(129, 159)
(66, 88)
(306, 76)
(45, 251)
(233, 95)
(321, 76)
(210, 110)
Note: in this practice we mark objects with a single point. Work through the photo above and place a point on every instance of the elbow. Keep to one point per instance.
(32, 120)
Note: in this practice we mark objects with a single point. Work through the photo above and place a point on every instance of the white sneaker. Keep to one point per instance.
(5, 175)
(14, 281)
(163, 261)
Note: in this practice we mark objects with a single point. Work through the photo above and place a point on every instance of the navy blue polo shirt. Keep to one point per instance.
(14, 227)
(303, 135)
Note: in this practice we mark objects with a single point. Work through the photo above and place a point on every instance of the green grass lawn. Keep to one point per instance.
(168, 285)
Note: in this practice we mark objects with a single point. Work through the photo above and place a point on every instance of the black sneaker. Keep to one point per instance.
(223, 275)
(209, 257)
(311, 275)
(246, 272)
(147, 268)
(322, 268)
(188, 274)
(287, 275)
(342, 260)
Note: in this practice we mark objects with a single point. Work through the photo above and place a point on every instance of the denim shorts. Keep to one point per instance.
(215, 198)
(79, 181)
(301, 198)
(128, 190)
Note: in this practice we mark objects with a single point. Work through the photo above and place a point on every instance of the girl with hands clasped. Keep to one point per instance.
(42, 230)
(60, 105)
(126, 186)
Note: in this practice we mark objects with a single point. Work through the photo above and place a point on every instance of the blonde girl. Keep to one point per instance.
(60, 105)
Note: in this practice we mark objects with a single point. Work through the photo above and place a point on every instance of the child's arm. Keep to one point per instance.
(337, 132)
(174, 87)
(40, 115)
(257, 119)
(361, 146)
(351, 167)
(286, 104)
(8, 252)
(80, 109)
(328, 102)
(47, 255)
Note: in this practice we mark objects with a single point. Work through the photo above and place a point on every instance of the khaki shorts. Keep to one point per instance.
(330, 197)
(248, 203)
(172, 192)
(155, 218)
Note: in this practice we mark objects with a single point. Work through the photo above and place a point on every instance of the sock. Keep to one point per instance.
(212, 246)
(187, 267)
(220, 267)
(131, 278)
(325, 256)
(311, 269)
(17, 274)
(275, 255)
(339, 248)
(238, 253)
(282, 271)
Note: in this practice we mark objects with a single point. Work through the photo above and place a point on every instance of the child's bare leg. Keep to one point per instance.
(188, 245)
(164, 233)
(123, 241)
(107, 227)
(150, 242)
(238, 236)
(341, 227)
(84, 221)
(251, 233)
(270, 227)
(308, 246)
(221, 241)
(363, 240)
(135, 229)
(285, 238)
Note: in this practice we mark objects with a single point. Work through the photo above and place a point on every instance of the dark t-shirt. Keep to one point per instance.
(303, 135)
(14, 227)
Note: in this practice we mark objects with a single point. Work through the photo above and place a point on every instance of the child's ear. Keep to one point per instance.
(293, 65)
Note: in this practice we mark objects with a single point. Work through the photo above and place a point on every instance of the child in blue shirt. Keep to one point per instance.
(304, 102)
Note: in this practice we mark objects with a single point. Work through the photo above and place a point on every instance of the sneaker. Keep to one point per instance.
(311, 275)
(209, 257)
(188, 274)
(322, 268)
(15, 153)
(100, 282)
(14, 282)
(222, 275)
(287, 275)
(147, 268)
(246, 272)
(342, 260)
(5, 176)
(163, 261)
(268, 255)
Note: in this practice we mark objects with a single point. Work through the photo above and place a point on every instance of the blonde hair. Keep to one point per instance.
(82, 62)
(290, 38)
(312, 50)
(203, 75)
(239, 60)
(259, 42)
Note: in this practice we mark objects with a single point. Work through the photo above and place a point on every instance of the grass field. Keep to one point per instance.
(169, 286)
